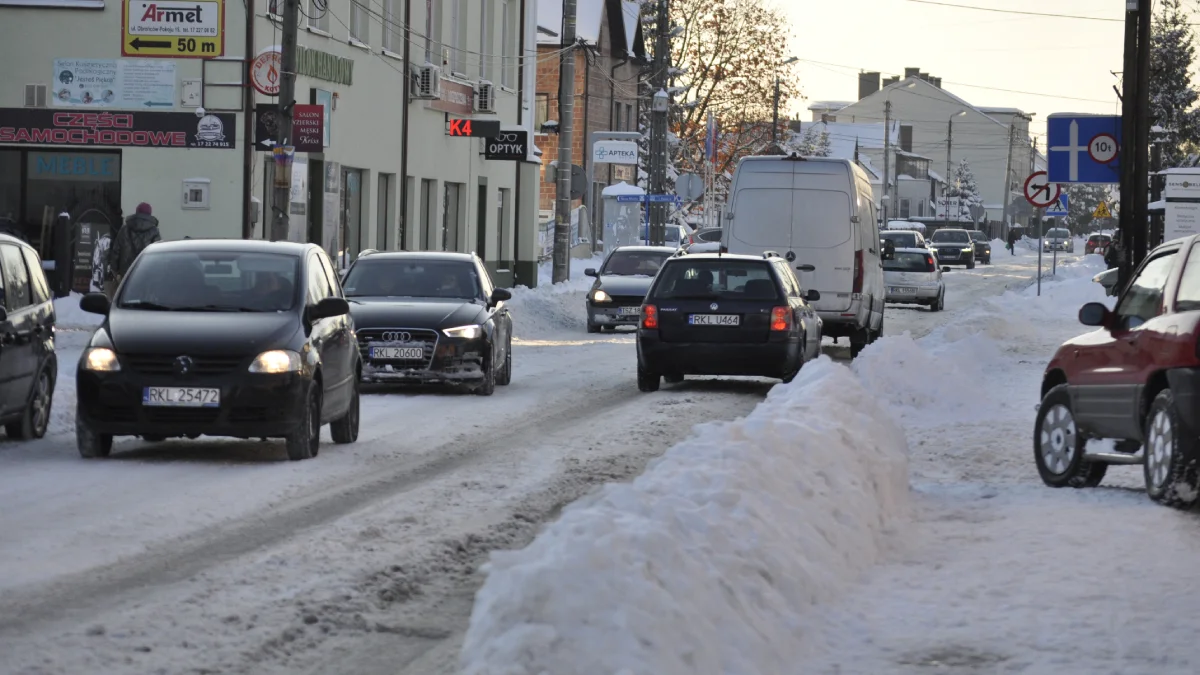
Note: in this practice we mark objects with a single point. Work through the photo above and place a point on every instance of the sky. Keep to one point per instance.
(1056, 60)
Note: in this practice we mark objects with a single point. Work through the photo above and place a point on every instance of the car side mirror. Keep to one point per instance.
(590, 272)
(806, 268)
(812, 295)
(945, 268)
(1094, 314)
(94, 303)
(500, 295)
(328, 308)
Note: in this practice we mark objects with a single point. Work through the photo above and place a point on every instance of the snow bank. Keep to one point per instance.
(69, 316)
(550, 309)
(705, 562)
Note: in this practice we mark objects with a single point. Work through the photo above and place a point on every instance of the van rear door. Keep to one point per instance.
(823, 236)
(762, 208)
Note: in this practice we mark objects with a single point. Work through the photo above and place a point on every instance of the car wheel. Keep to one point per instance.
(592, 328)
(858, 341)
(345, 429)
(487, 386)
(647, 381)
(505, 376)
(971, 264)
(305, 441)
(36, 418)
(91, 444)
(1058, 447)
(1171, 472)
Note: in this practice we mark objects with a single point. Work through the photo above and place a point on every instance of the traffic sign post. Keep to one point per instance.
(1084, 148)
(1039, 191)
(178, 29)
(1041, 244)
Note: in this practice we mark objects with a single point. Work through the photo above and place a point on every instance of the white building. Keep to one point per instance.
(91, 131)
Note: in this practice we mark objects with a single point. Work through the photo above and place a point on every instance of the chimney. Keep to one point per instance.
(868, 83)
(890, 81)
(936, 81)
(912, 72)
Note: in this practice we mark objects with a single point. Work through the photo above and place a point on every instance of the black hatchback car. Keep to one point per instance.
(983, 246)
(430, 317)
(248, 339)
(621, 285)
(28, 366)
(715, 314)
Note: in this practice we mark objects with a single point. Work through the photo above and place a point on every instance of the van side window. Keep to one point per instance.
(16, 278)
(37, 279)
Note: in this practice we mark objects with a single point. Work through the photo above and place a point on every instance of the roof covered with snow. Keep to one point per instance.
(829, 105)
(1001, 111)
(843, 136)
(589, 18)
(622, 188)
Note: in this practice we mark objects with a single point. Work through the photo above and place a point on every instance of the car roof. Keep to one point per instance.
(885, 232)
(912, 249)
(234, 245)
(14, 240)
(951, 229)
(652, 249)
(418, 255)
(736, 257)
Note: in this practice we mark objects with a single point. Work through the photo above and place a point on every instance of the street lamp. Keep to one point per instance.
(949, 140)
(775, 115)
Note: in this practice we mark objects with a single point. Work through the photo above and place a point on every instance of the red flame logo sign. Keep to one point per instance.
(272, 75)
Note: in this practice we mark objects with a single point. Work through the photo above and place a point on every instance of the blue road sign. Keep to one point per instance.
(1084, 148)
(663, 198)
(1060, 208)
(630, 198)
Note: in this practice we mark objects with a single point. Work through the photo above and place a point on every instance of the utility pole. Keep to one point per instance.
(775, 115)
(566, 125)
(887, 151)
(1142, 139)
(660, 106)
(1007, 193)
(1132, 151)
(280, 203)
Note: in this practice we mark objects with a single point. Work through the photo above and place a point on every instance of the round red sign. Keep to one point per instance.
(264, 72)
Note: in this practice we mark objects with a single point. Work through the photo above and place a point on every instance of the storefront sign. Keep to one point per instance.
(40, 126)
(264, 71)
(324, 66)
(510, 146)
(61, 166)
(92, 240)
(114, 83)
(308, 127)
(179, 29)
(456, 99)
(615, 152)
(472, 128)
(1183, 205)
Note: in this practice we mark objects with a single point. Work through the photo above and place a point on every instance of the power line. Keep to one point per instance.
(1015, 11)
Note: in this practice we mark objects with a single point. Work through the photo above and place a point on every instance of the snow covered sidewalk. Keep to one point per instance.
(704, 563)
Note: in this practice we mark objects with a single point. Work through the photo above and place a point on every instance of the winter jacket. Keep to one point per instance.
(140, 231)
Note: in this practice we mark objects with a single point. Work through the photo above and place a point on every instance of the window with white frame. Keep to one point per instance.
(318, 15)
(393, 36)
(506, 58)
(360, 22)
(487, 20)
(458, 37)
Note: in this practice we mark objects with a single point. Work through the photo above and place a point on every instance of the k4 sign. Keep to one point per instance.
(181, 29)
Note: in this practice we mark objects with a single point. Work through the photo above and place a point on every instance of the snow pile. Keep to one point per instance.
(550, 309)
(577, 266)
(705, 562)
(68, 315)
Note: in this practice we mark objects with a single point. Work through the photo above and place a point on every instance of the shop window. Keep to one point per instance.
(541, 111)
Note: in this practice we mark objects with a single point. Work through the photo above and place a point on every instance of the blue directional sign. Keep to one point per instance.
(1060, 208)
(649, 198)
(1083, 148)
(630, 198)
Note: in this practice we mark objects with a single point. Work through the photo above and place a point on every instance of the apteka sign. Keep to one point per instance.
(615, 152)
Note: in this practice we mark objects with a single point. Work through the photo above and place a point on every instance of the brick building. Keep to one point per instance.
(607, 69)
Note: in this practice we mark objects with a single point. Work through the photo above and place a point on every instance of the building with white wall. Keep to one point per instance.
(90, 131)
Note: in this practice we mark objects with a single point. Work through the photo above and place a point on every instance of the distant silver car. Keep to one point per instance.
(913, 277)
(1058, 239)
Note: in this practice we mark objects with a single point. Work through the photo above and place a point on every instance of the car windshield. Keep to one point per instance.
(709, 235)
(716, 280)
(413, 279)
(1098, 238)
(901, 239)
(634, 263)
(951, 237)
(1058, 233)
(211, 281)
(978, 236)
(908, 262)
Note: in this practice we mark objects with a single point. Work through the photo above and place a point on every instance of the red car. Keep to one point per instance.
(1135, 380)
(1097, 243)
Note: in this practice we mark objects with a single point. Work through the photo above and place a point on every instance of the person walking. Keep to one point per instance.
(140, 230)
(1012, 240)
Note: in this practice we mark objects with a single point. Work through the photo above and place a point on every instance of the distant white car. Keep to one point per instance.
(913, 277)
(1058, 239)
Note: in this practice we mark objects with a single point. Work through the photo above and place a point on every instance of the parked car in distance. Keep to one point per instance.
(28, 365)
(954, 247)
(1135, 379)
(913, 276)
(983, 246)
(904, 238)
(817, 212)
(1058, 239)
(430, 317)
(221, 337)
(615, 298)
(1097, 243)
(704, 240)
(674, 235)
(713, 314)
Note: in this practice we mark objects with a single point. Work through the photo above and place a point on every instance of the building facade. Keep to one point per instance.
(90, 128)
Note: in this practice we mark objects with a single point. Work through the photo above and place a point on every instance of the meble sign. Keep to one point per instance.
(180, 29)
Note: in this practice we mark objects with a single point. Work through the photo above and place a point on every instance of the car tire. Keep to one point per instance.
(936, 304)
(648, 381)
(592, 328)
(344, 430)
(36, 417)
(1170, 468)
(305, 441)
(505, 377)
(1058, 447)
(859, 341)
(487, 387)
(91, 444)
(971, 263)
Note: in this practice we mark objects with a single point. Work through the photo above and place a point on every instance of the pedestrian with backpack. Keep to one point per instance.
(140, 230)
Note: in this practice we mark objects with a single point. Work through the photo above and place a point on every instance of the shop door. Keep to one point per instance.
(352, 211)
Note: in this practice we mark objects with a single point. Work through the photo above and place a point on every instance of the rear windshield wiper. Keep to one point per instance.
(145, 304)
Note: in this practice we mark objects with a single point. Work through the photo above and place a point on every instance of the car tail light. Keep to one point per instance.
(781, 318)
(858, 271)
(929, 262)
(649, 317)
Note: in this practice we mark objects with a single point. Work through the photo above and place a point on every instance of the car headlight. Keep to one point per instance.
(275, 362)
(464, 332)
(101, 360)
(601, 296)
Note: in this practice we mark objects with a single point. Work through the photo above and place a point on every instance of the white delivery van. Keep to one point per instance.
(819, 214)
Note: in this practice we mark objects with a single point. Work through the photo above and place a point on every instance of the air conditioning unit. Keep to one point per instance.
(485, 97)
(427, 82)
(35, 96)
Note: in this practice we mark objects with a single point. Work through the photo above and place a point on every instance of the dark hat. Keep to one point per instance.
(143, 208)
